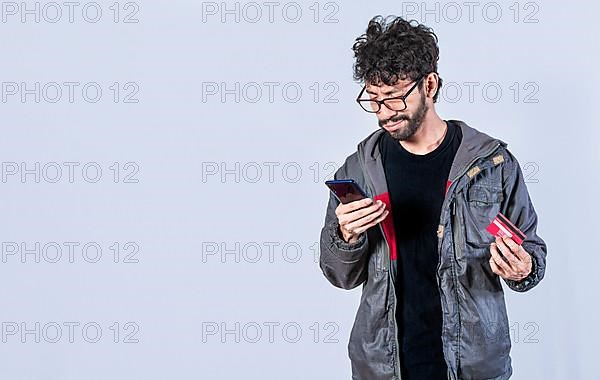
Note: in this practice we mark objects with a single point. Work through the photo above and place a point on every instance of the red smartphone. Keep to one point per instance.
(346, 190)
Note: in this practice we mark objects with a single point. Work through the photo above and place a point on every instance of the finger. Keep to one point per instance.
(366, 219)
(357, 214)
(375, 207)
(507, 253)
(498, 251)
(496, 269)
(523, 261)
(374, 223)
(345, 208)
(500, 272)
(511, 244)
(518, 250)
(499, 260)
(524, 256)
(523, 269)
(355, 218)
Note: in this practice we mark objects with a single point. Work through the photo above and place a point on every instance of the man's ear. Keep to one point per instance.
(431, 85)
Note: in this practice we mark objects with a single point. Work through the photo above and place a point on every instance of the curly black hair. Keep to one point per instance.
(395, 50)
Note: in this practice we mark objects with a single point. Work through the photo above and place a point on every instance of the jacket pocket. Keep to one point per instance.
(482, 206)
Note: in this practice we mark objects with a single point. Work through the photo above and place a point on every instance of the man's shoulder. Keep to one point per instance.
(475, 138)
(350, 165)
(502, 155)
(475, 133)
(364, 146)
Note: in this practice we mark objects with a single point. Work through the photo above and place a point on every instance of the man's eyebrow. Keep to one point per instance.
(385, 93)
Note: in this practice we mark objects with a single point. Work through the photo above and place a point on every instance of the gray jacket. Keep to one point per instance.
(485, 178)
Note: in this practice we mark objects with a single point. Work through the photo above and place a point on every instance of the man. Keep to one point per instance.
(432, 304)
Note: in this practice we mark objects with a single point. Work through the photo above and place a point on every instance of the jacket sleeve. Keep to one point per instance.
(518, 208)
(343, 264)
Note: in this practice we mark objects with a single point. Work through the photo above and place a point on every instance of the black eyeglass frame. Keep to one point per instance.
(369, 109)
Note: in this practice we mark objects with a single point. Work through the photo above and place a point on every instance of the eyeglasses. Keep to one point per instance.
(396, 103)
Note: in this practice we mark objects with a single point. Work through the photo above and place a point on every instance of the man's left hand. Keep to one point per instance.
(509, 260)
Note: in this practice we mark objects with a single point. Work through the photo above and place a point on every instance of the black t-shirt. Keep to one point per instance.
(417, 186)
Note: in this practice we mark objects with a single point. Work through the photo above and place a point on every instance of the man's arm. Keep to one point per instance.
(343, 264)
(518, 208)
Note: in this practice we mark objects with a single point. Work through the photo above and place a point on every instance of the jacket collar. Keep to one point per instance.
(474, 144)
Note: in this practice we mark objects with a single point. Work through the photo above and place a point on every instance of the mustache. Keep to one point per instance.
(392, 120)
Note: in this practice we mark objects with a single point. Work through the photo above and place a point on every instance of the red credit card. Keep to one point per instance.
(501, 226)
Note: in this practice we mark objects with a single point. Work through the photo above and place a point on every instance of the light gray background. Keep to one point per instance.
(175, 137)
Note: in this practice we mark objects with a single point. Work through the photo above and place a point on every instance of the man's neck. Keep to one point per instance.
(429, 136)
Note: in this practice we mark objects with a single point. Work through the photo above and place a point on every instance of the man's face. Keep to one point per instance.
(401, 125)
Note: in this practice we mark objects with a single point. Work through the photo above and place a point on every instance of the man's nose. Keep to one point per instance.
(385, 113)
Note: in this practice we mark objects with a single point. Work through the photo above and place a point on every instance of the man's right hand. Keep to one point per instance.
(356, 217)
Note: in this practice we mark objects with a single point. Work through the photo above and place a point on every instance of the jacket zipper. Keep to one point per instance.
(456, 235)
(457, 249)
(393, 311)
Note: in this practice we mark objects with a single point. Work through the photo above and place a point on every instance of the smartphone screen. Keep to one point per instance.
(346, 190)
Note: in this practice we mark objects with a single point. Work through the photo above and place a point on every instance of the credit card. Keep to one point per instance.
(501, 226)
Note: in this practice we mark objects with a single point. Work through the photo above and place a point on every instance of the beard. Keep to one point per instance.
(412, 125)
